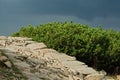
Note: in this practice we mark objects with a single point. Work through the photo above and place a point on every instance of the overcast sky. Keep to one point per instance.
(17, 13)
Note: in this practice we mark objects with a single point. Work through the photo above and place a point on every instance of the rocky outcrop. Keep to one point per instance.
(38, 62)
(5, 61)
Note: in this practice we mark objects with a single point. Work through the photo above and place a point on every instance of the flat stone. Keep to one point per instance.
(36, 46)
(78, 67)
(45, 50)
(86, 71)
(31, 76)
(19, 44)
(64, 57)
(22, 65)
(95, 77)
(27, 39)
(3, 38)
(73, 63)
(8, 64)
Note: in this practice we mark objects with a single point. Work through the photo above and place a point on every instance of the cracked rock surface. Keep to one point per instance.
(37, 62)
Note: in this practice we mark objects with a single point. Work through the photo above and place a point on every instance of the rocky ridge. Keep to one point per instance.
(37, 62)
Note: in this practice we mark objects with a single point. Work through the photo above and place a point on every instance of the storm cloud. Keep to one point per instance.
(17, 13)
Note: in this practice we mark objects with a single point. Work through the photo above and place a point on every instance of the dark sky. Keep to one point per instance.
(17, 13)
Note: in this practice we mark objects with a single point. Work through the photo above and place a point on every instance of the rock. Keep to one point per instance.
(45, 50)
(64, 57)
(2, 42)
(118, 77)
(70, 77)
(111, 79)
(86, 70)
(22, 65)
(30, 42)
(103, 72)
(5, 61)
(76, 78)
(36, 46)
(48, 64)
(31, 76)
(19, 44)
(74, 64)
(19, 39)
(3, 38)
(3, 58)
(8, 64)
(94, 77)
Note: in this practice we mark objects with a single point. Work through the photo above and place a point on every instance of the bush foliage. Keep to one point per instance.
(96, 47)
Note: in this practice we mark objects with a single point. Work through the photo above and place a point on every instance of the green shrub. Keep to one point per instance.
(94, 46)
